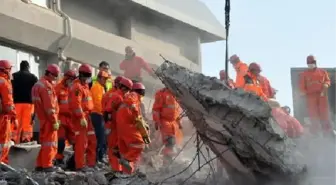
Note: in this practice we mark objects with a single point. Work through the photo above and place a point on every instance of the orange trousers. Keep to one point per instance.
(5, 130)
(65, 133)
(318, 110)
(131, 145)
(112, 144)
(48, 140)
(24, 132)
(169, 131)
(85, 143)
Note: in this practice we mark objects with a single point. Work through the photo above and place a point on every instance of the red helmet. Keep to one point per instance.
(70, 73)
(234, 58)
(254, 66)
(126, 82)
(118, 79)
(85, 68)
(5, 64)
(53, 69)
(138, 86)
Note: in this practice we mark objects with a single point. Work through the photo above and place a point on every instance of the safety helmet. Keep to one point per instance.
(118, 79)
(103, 74)
(5, 64)
(126, 82)
(138, 86)
(53, 69)
(254, 66)
(311, 59)
(85, 68)
(234, 58)
(70, 73)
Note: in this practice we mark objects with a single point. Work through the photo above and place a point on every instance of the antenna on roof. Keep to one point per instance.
(227, 26)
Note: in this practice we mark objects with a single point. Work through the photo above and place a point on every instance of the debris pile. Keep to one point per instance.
(237, 126)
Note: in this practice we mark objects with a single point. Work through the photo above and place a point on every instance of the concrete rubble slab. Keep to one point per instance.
(237, 126)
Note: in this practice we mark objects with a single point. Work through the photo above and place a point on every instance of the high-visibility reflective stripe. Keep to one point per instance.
(79, 110)
(51, 111)
(86, 99)
(169, 106)
(49, 144)
(9, 108)
(309, 83)
(90, 133)
(64, 101)
(40, 84)
(137, 145)
(127, 106)
(77, 133)
(34, 98)
(4, 145)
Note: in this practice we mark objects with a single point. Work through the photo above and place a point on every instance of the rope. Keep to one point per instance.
(227, 28)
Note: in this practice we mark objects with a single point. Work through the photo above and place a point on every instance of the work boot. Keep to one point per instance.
(38, 169)
(85, 169)
(125, 164)
(50, 169)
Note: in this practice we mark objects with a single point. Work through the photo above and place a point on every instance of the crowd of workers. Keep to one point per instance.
(101, 117)
(96, 115)
(314, 83)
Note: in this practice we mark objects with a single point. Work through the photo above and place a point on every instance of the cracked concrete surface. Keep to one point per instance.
(236, 125)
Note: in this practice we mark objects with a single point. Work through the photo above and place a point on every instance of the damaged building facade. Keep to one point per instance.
(90, 32)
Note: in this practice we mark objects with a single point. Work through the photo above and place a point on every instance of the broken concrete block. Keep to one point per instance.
(237, 123)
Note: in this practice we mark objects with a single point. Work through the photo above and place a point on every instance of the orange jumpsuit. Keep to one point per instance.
(266, 87)
(251, 84)
(113, 102)
(312, 85)
(166, 111)
(81, 105)
(24, 132)
(290, 125)
(65, 131)
(46, 108)
(130, 141)
(241, 70)
(8, 113)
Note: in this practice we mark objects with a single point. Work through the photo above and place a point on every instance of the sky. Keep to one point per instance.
(276, 34)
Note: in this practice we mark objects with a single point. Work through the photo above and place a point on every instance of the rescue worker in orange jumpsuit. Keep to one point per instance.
(222, 77)
(105, 99)
(98, 91)
(266, 86)
(133, 64)
(241, 70)
(251, 82)
(113, 103)
(131, 142)
(46, 107)
(7, 110)
(65, 131)
(81, 104)
(314, 83)
(166, 111)
(23, 82)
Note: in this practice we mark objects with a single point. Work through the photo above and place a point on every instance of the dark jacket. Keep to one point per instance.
(23, 82)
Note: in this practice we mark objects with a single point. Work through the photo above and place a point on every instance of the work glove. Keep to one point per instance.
(83, 122)
(107, 131)
(56, 125)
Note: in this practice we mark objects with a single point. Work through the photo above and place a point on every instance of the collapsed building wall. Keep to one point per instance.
(236, 125)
